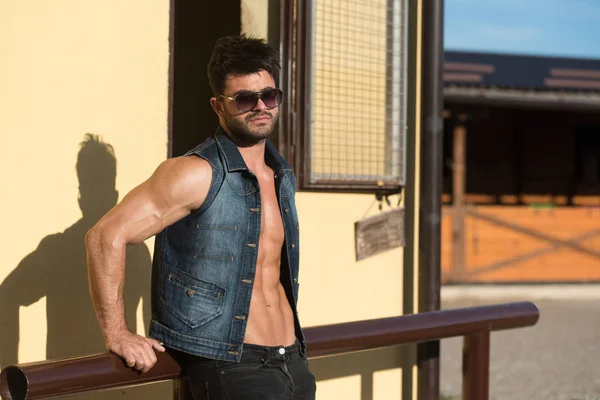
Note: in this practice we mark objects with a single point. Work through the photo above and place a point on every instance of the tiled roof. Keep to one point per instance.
(512, 71)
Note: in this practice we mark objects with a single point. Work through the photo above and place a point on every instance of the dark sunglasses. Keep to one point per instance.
(246, 101)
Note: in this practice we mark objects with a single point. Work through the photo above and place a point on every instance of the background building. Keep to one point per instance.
(521, 168)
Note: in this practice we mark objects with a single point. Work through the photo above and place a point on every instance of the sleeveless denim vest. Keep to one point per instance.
(204, 265)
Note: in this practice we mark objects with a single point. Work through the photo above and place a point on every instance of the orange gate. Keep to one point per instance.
(511, 243)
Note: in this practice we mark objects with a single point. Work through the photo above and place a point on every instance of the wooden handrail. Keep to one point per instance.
(52, 378)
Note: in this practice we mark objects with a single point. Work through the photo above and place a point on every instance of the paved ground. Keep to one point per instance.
(557, 359)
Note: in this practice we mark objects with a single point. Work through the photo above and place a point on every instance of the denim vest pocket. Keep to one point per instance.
(193, 301)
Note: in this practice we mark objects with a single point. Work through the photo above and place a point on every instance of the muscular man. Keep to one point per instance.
(225, 265)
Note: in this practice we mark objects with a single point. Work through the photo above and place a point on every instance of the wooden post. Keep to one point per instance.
(458, 199)
(476, 366)
(181, 390)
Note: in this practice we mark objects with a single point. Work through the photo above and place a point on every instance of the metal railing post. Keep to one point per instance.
(476, 366)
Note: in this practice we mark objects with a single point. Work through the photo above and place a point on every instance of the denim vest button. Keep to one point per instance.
(255, 209)
(242, 317)
(251, 244)
(287, 210)
(247, 281)
(293, 246)
(190, 292)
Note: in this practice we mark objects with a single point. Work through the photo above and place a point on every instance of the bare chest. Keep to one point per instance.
(271, 222)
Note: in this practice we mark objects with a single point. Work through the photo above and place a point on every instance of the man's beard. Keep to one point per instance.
(247, 137)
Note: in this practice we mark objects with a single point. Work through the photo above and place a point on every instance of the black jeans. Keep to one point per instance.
(269, 373)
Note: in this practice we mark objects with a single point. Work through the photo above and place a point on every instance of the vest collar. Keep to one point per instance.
(235, 161)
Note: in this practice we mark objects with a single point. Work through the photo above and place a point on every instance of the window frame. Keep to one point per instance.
(294, 133)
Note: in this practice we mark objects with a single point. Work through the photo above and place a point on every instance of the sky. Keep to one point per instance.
(565, 28)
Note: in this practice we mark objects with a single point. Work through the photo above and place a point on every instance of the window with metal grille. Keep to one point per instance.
(351, 90)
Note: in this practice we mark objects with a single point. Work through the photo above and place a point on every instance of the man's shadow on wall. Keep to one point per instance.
(57, 270)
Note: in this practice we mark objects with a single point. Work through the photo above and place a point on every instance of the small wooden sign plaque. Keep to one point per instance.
(379, 233)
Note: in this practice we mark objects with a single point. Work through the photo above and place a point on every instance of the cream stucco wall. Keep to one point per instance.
(335, 288)
(255, 17)
(70, 68)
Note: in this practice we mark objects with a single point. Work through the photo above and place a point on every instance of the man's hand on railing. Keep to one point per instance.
(136, 350)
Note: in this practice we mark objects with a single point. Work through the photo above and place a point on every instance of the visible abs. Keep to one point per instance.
(271, 320)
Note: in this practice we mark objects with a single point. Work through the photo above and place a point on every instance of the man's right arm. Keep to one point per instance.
(177, 187)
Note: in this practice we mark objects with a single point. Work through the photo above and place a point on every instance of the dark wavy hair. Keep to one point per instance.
(240, 55)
